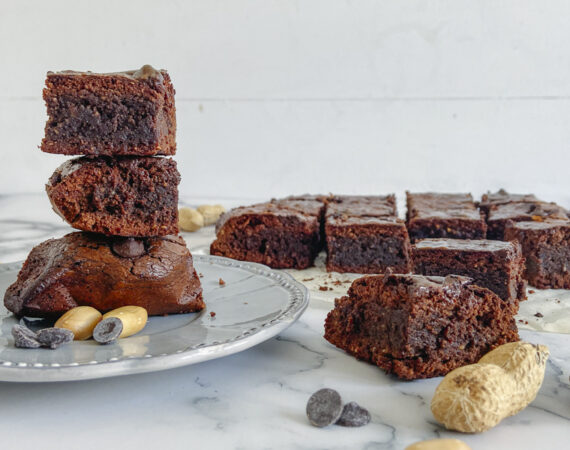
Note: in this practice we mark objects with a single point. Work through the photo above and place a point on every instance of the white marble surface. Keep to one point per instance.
(252, 400)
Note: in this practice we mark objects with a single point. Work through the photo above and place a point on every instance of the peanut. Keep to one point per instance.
(134, 319)
(80, 320)
(476, 397)
(189, 219)
(439, 444)
(211, 213)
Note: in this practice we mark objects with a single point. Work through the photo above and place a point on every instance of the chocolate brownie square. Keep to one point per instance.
(88, 269)
(364, 235)
(495, 265)
(283, 233)
(500, 215)
(437, 215)
(502, 197)
(121, 196)
(419, 327)
(546, 247)
(123, 113)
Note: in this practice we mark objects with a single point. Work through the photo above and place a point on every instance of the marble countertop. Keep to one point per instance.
(251, 400)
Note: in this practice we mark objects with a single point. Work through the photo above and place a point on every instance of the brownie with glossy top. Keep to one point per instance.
(495, 265)
(419, 327)
(284, 233)
(364, 235)
(121, 113)
(502, 197)
(443, 215)
(501, 215)
(546, 247)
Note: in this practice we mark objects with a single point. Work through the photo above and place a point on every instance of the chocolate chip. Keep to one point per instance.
(129, 247)
(24, 337)
(324, 407)
(353, 415)
(108, 330)
(54, 337)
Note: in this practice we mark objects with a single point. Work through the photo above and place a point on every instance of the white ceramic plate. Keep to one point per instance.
(255, 304)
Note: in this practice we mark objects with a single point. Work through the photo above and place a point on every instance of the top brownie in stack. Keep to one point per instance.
(364, 235)
(435, 215)
(282, 233)
(123, 113)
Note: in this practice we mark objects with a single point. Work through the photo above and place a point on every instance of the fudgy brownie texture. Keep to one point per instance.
(419, 327)
(500, 215)
(364, 235)
(123, 113)
(436, 215)
(495, 265)
(120, 196)
(282, 233)
(106, 273)
(502, 197)
(546, 247)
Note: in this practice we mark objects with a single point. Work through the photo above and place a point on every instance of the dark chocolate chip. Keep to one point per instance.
(324, 407)
(108, 330)
(54, 337)
(24, 337)
(353, 415)
(129, 247)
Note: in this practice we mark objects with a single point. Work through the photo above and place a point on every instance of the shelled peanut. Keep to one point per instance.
(439, 444)
(190, 219)
(476, 397)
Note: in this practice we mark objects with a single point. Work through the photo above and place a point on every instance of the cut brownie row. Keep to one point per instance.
(363, 233)
(419, 327)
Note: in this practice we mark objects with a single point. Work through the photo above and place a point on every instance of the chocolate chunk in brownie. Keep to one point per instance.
(123, 113)
(495, 265)
(437, 215)
(419, 327)
(546, 247)
(364, 235)
(502, 197)
(282, 233)
(500, 215)
(120, 196)
(106, 273)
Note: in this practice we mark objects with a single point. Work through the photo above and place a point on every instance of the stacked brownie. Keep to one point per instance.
(121, 193)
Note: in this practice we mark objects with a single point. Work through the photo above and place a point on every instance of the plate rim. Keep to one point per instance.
(129, 365)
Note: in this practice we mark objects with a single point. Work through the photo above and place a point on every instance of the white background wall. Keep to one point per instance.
(276, 97)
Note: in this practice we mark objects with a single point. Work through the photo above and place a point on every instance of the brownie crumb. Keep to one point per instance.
(212, 314)
(222, 282)
(538, 314)
(201, 275)
(531, 291)
(308, 279)
(323, 288)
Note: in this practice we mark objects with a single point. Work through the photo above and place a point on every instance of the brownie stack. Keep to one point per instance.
(122, 193)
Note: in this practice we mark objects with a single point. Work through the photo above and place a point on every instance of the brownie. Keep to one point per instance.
(437, 215)
(419, 327)
(546, 247)
(283, 233)
(500, 215)
(121, 196)
(502, 197)
(106, 273)
(122, 113)
(495, 265)
(364, 235)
